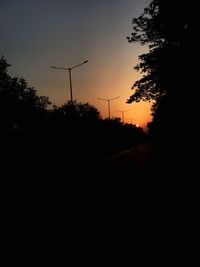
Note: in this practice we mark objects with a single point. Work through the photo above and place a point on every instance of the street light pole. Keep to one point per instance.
(70, 76)
(122, 111)
(109, 108)
(70, 83)
(108, 103)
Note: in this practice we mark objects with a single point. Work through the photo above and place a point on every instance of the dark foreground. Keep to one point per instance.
(136, 158)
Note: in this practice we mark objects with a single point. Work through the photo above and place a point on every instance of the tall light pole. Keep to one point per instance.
(122, 111)
(70, 76)
(108, 103)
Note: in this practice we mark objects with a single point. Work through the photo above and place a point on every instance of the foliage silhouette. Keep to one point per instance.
(57, 138)
(20, 107)
(169, 77)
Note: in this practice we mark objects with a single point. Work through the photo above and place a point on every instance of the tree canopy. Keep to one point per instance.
(20, 106)
(170, 29)
(169, 71)
(37, 135)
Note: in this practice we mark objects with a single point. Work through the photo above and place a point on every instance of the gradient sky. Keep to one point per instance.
(37, 34)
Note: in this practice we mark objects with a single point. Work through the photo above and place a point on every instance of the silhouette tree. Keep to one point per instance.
(169, 77)
(58, 138)
(20, 107)
(168, 30)
(77, 110)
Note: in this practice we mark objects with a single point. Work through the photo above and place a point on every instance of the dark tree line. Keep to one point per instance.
(20, 107)
(170, 74)
(36, 134)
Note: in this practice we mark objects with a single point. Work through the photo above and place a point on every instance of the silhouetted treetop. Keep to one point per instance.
(3, 65)
(164, 22)
(19, 103)
(59, 138)
(170, 29)
(78, 110)
(170, 76)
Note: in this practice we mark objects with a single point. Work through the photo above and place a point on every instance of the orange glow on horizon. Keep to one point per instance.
(89, 89)
(101, 40)
(107, 80)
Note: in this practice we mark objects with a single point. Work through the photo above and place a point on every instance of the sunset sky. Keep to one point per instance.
(38, 34)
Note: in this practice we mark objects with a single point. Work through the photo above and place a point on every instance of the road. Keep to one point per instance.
(136, 159)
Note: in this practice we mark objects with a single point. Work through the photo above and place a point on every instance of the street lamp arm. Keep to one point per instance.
(108, 99)
(99, 98)
(114, 98)
(70, 79)
(59, 68)
(79, 64)
(102, 98)
(122, 110)
(71, 67)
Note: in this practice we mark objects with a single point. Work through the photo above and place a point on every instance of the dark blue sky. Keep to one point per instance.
(36, 34)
